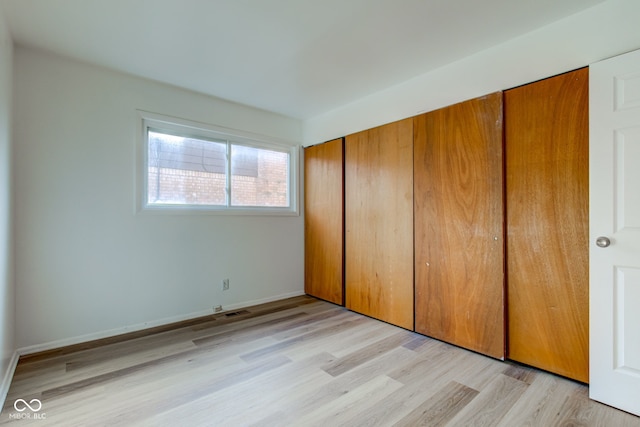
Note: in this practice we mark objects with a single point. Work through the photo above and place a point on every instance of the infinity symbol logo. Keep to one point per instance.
(21, 405)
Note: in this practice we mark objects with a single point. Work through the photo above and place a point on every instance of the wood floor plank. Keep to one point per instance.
(318, 320)
(478, 372)
(398, 404)
(441, 407)
(417, 342)
(273, 365)
(298, 340)
(522, 373)
(393, 408)
(339, 410)
(539, 405)
(367, 353)
(343, 344)
(448, 360)
(198, 388)
(247, 334)
(314, 397)
(252, 322)
(491, 404)
(144, 353)
(578, 410)
(256, 396)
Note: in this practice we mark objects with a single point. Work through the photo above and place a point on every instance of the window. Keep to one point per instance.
(196, 167)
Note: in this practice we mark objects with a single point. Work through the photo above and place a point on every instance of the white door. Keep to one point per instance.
(614, 182)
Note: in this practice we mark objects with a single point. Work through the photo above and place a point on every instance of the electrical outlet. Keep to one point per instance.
(225, 285)
(217, 309)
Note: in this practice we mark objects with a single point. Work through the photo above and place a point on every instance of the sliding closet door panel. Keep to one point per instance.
(379, 222)
(459, 225)
(547, 177)
(323, 221)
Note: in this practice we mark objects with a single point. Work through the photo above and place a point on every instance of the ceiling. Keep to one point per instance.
(299, 58)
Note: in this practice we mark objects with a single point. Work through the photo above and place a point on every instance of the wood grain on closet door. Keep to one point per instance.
(547, 177)
(459, 225)
(323, 221)
(379, 222)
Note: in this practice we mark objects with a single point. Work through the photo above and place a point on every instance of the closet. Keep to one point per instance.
(379, 223)
(323, 221)
(468, 224)
(459, 237)
(547, 190)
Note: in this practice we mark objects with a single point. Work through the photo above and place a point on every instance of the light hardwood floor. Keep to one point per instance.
(298, 362)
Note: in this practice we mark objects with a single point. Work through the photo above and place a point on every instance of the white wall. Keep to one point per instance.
(605, 30)
(86, 265)
(7, 290)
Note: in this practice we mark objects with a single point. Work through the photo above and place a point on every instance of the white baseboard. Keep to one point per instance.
(8, 377)
(245, 304)
(142, 326)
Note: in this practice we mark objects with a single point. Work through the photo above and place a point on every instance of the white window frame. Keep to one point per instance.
(187, 128)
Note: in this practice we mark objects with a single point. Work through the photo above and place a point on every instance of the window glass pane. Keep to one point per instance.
(259, 177)
(185, 170)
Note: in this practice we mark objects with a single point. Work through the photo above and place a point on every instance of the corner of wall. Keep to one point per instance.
(8, 354)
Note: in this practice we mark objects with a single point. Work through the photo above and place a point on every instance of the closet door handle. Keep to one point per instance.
(603, 241)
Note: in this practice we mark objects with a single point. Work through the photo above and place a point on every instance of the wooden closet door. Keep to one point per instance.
(323, 221)
(379, 223)
(547, 178)
(459, 244)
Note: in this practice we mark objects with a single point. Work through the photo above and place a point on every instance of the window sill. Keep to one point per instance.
(168, 209)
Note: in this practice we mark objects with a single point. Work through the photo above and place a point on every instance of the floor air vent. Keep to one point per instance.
(235, 313)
